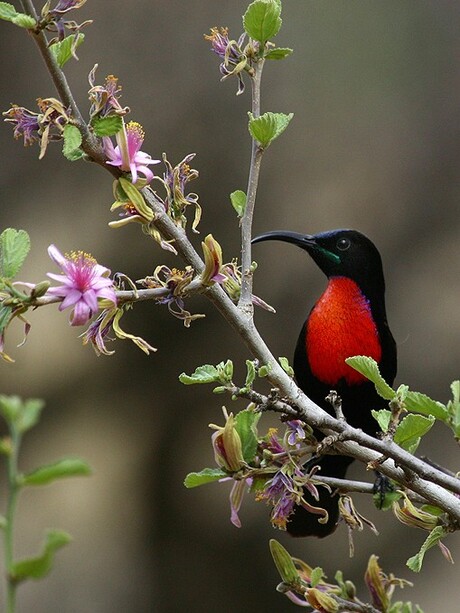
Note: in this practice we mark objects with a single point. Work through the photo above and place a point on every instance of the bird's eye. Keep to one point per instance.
(343, 244)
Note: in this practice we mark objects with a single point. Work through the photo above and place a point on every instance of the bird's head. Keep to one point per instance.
(338, 253)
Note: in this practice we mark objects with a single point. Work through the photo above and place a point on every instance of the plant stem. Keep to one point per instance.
(245, 302)
(13, 491)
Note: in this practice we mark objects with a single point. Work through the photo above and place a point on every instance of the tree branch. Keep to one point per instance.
(400, 465)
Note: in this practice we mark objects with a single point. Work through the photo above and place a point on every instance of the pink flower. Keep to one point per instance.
(84, 282)
(127, 154)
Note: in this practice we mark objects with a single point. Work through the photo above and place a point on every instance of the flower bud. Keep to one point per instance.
(227, 446)
(410, 515)
(213, 261)
(321, 602)
(375, 581)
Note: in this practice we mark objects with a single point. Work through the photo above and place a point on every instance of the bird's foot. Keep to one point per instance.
(383, 492)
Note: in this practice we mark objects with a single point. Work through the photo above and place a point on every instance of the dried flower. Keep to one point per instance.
(176, 281)
(104, 98)
(176, 200)
(26, 123)
(235, 60)
(84, 283)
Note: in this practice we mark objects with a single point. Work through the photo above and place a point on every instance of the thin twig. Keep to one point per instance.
(90, 144)
(245, 302)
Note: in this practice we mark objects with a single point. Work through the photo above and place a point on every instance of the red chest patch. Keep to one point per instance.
(340, 326)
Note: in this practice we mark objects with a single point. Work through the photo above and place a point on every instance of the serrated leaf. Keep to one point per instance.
(369, 368)
(267, 127)
(67, 467)
(415, 562)
(246, 426)
(279, 53)
(420, 403)
(14, 247)
(411, 429)
(40, 566)
(284, 563)
(207, 475)
(383, 418)
(238, 200)
(72, 142)
(107, 126)
(24, 21)
(9, 13)
(262, 20)
(63, 50)
(203, 374)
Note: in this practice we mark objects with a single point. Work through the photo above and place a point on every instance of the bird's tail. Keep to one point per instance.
(305, 523)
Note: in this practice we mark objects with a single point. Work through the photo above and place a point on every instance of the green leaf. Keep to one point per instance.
(67, 467)
(453, 408)
(238, 200)
(36, 568)
(420, 403)
(383, 417)
(383, 501)
(264, 370)
(106, 126)
(316, 575)
(14, 247)
(72, 142)
(279, 53)
(267, 127)
(225, 370)
(65, 49)
(5, 316)
(415, 562)
(203, 374)
(9, 13)
(284, 563)
(246, 426)
(30, 414)
(369, 368)
(207, 475)
(10, 408)
(251, 373)
(411, 429)
(286, 366)
(262, 20)
(24, 21)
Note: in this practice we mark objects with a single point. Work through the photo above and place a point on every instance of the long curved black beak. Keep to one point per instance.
(304, 241)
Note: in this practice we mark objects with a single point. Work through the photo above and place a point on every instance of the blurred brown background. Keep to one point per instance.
(374, 145)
